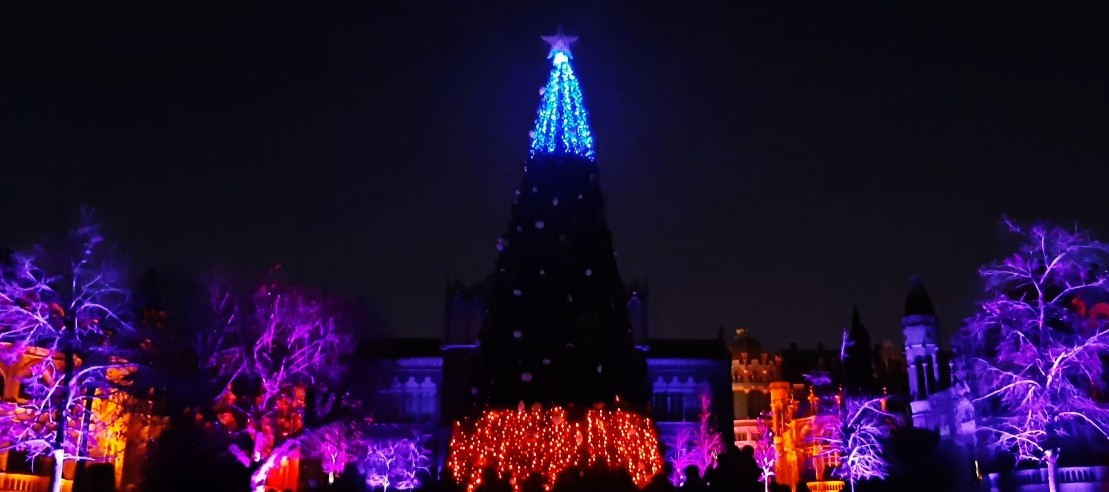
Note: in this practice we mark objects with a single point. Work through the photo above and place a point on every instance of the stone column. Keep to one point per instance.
(914, 384)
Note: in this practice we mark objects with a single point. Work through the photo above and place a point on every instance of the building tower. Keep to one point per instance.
(922, 351)
(558, 330)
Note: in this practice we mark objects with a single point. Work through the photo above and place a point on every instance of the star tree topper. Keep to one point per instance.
(560, 44)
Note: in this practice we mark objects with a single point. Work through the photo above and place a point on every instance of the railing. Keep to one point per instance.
(829, 486)
(20, 482)
(1069, 479)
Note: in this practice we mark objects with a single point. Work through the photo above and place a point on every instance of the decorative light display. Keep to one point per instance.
(856, 442)
(395, 463)
(335, 446)
(62, 346)
(766, 454)
(1036, 347)
(287, 340)
(562, 126)
(520, 443)
(696, 447)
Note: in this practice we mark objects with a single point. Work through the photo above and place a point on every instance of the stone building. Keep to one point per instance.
(115, 433)
(422, 386)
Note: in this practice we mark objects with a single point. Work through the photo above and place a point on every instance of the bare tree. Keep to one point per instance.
(697, 447)
(281, 367)
(396, 463)
(60, 330)
(336, 445)
(856, 440)
(766, 455)
(1035, 346)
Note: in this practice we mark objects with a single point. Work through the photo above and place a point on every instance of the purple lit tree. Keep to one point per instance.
(335, 445)
(1034, 345)
(818, 379)
(396, 463)
(697, 447)
(61, 321)
(281, 369)
(766, 455)
(856, 442)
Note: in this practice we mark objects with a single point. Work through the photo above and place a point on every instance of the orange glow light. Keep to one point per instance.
(519, 443)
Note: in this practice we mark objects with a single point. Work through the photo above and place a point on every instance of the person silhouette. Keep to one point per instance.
(693, 480)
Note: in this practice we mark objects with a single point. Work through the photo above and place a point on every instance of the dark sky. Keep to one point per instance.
(765, 167)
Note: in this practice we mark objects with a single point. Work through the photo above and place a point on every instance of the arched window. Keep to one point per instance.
(757, 402)
(930, 373)
(921, 391)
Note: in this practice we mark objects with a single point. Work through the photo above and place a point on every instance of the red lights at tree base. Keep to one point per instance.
(546, 442)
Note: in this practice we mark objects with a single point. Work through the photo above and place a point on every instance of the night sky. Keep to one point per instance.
(765, 167)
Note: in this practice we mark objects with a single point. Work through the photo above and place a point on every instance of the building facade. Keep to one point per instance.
(420, 387)
(114, 433)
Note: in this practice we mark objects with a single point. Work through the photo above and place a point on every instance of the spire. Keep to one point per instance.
(562, 125)
(918, 302)
(854, 336)
(855, 355)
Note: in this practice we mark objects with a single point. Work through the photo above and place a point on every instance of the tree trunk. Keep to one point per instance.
(1052, 467)
(68, 368)
(56, 478)
(259, 474)
(258, 481)
(86, 422)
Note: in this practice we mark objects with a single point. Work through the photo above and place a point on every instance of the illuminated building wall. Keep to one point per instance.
(425, 385)
(743, 378)
(752, 369)
(680, 372)
(400, 385)
(122, 424)
(762, 380)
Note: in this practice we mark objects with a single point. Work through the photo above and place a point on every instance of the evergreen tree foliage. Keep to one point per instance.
(557, 329)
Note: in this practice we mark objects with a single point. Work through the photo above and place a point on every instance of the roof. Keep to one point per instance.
(798, 361)
(744, 343)
(918, 302)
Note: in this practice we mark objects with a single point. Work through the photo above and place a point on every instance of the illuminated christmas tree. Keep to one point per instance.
(562, 126)
(557, 345)
(557, 330)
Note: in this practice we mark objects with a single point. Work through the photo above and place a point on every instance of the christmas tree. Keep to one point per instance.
(557, 338)
(557, 329)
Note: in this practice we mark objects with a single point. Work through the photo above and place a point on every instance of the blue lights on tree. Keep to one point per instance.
(562, 126)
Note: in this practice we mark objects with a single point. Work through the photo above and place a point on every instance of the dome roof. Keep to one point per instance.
(744, 343)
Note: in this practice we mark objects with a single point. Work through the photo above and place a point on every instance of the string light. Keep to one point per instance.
(562, 126)
(545, 442)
